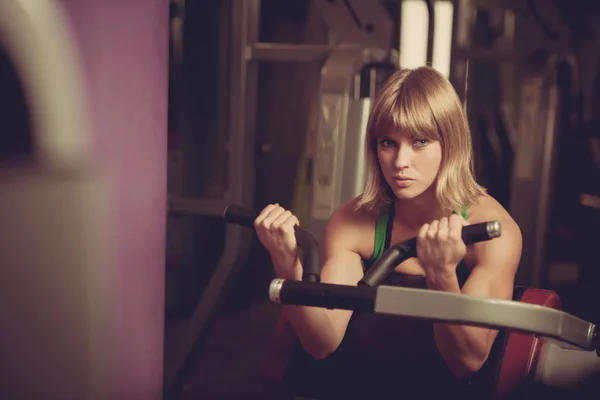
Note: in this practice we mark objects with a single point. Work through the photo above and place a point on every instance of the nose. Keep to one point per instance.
(403, 156)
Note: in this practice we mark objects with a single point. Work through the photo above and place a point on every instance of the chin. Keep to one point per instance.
(407, 194)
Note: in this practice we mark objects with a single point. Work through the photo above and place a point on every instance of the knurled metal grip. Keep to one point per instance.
(494, 229)
(275, 290)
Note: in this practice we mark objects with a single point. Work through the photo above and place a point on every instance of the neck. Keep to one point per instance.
(423, 209)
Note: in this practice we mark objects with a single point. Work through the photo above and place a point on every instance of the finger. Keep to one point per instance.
(422, 236)
(433, 229)
(281, 219)
(442, 233)
(294, 221)
(423, 231)
(272, 216)
(455, 227)
(289, 224)
(263, 214)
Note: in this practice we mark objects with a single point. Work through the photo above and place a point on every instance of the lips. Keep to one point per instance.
(403, 182)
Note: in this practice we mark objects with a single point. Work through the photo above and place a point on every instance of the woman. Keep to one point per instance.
(420, 183)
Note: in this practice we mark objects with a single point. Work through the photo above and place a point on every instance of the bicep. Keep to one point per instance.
(342, 268)
(494, 264)
(342, 265)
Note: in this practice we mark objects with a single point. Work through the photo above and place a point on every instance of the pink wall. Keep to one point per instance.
(124, 48)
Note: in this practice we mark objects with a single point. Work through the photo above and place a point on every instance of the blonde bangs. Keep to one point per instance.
(408, 112)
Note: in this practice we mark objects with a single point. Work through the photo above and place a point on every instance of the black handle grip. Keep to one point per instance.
(481, 232)
(239, 215)
(326, 295)
(243, 216)
(408, 249)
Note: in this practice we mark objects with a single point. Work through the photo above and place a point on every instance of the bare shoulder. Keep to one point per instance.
(507, 247)
(351, 228)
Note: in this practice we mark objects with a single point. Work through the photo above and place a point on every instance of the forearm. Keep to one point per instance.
(464, 348)
(285, 272)
(314, 329)
(314, 326)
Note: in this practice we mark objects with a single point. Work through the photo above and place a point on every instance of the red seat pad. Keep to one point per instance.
(521, 352)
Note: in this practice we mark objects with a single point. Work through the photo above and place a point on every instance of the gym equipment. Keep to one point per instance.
(565, 361)
(83, 211)
(183, 335)
(58, 255)
(560, 355)
(532, 184)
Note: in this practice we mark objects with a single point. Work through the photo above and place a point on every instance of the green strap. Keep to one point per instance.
(380, 231)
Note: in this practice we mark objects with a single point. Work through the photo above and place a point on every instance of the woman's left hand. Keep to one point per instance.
(440, 246)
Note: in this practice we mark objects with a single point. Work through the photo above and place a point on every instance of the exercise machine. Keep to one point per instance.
(83, 204)
(58, 259)
(542, 346)
(183, 335)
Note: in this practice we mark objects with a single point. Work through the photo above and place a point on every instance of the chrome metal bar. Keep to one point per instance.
(289, 52)
(488, 312)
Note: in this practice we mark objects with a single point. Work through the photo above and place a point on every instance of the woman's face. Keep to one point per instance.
(409, 165)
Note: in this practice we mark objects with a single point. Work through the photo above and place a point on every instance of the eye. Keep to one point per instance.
(420, 142)
(386, 143)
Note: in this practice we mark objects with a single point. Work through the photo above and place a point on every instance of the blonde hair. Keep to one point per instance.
(422, 102)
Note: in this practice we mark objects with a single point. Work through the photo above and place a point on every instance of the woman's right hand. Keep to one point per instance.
(275, 229)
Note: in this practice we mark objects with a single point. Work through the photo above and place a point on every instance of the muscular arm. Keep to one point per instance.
(465, 348)
(319, 330)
